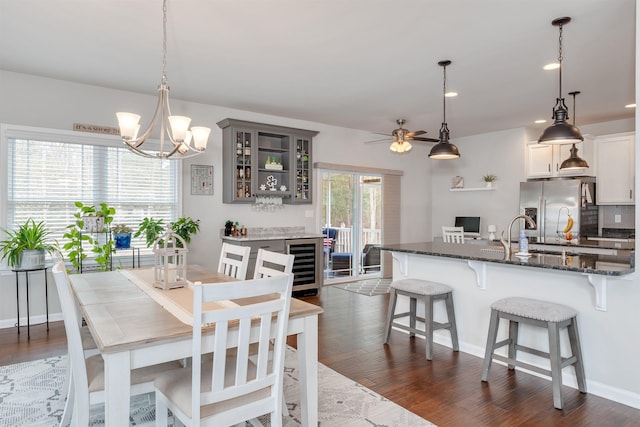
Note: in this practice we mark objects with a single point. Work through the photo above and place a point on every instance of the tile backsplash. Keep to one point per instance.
(626, 213)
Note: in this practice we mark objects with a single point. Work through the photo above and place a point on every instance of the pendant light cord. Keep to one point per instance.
(560, 61)
(444, 94)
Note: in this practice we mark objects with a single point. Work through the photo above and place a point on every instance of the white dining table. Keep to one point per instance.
(132, 329)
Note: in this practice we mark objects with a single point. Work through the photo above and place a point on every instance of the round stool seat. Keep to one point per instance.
(535, 309)
(421, 287)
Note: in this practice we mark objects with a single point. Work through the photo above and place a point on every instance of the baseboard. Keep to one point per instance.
(34, 320)
(596, 388)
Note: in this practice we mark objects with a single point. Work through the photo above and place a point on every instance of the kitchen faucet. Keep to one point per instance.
(507, 243)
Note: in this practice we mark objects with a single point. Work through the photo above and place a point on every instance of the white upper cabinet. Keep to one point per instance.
(615, 176)
(543, 161)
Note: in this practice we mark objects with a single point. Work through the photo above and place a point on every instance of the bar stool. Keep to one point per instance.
(544, 314)
(429, 292)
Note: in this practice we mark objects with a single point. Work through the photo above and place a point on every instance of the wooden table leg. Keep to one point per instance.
(308, 366)
(117, 383)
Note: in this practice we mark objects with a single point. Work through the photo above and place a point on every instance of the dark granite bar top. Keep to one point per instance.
(609, 265)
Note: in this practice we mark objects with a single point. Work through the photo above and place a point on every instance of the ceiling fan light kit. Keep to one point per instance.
(444, 150)
(560, 132)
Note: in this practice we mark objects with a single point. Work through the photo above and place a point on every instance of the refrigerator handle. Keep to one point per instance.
(541, 219)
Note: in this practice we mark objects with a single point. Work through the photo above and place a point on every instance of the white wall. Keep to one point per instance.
(34, 101)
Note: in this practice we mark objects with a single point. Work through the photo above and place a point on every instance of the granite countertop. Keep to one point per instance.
(272, 233)
(610, 265)
(276, 236)
(589, 243)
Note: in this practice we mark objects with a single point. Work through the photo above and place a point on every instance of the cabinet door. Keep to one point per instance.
(616, 169)
(302, 177)
(243, 164)
(539, 160)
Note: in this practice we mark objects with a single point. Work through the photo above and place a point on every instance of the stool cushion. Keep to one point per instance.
(421, 287)
(534, 309)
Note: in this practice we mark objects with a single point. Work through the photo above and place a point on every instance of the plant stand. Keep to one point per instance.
(46, 296)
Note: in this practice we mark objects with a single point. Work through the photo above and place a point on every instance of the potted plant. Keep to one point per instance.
(25, 248)
(121, 235)
(488, 179)
(150, 229)
(78, 233)
(185, 227)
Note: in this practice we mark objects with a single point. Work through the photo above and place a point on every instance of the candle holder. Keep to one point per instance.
(170, 261)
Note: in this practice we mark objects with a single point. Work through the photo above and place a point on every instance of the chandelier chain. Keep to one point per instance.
(164, 41)
(560, 58)
(444, 94)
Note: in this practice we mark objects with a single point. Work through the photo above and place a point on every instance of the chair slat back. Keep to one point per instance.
(453, 234)
(234, 261)
(72, 324)
(233, 325)
(270, 264)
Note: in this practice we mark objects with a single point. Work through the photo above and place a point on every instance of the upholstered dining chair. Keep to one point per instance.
(234, 260)
(453, 234)
(228, 388)
(269, 263)
(87, 373)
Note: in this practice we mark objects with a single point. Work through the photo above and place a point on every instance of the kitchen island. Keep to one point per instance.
(480, 275)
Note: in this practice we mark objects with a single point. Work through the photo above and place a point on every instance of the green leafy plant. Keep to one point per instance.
(489, 177)
(185, 227)
(76, 236)
(151, 229)
(121, 229)
(29, 236)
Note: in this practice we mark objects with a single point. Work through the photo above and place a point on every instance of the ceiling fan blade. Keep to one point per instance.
(425, 139)
(418, 132)
(379, 140)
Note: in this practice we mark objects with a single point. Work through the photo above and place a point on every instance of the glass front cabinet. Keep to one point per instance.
(265, 160)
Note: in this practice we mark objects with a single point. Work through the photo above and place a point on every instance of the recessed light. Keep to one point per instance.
(630, 106)
(540, 121)
(552, 66)
(451, 94)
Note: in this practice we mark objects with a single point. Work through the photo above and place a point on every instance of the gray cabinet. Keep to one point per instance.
(265, 160)
(307, 265)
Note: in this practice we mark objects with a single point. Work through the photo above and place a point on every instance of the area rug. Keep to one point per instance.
(367, 287)
(30, 396)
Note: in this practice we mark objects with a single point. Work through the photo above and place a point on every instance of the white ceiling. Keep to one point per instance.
(359, 63)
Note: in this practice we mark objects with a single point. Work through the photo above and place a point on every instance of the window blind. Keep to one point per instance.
(46, 177)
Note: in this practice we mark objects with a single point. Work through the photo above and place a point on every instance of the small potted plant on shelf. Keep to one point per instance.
(25, 248)
(150, 228)
(488, 179)
(121, 235)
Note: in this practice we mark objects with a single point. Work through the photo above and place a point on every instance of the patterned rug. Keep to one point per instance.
(30, 396)
(367, 287)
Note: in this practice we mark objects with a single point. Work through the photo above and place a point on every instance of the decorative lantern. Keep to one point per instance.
(170, 261)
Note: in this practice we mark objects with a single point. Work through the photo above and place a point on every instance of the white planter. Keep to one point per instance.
(93, 224)
(30, 259)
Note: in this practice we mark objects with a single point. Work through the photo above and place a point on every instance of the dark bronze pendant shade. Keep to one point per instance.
(574, 162)
(560, 132)
(444, 150)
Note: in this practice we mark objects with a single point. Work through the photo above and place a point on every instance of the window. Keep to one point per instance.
(48, 171)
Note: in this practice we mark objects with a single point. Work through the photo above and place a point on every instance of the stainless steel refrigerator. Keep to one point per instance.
(550, 203)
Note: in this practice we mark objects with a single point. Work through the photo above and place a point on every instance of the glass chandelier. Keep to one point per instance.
(177, 141)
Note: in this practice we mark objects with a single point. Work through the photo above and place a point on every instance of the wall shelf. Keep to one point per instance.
(473, 189)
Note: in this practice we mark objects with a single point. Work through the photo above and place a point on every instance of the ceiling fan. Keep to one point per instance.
(402, 136)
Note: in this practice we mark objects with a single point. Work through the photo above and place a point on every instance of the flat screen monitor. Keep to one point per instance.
(471, 225)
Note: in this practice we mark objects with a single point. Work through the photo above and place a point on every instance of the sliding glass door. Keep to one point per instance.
(352, 218)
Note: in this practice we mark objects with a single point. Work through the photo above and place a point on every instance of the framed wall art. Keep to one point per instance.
(202, 180)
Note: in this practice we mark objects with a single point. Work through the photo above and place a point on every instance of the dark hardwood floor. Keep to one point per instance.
(447, 391)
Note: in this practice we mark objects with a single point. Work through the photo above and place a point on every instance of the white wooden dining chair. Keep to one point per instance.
(453, 234)
(228, 388)
(234, 261)
(269, 263)
(87, 373)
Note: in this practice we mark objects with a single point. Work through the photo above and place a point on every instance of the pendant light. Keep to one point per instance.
(574, 162)
(444, 149)
(560, 132)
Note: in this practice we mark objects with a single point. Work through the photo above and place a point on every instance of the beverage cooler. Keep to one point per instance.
(307, 265)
